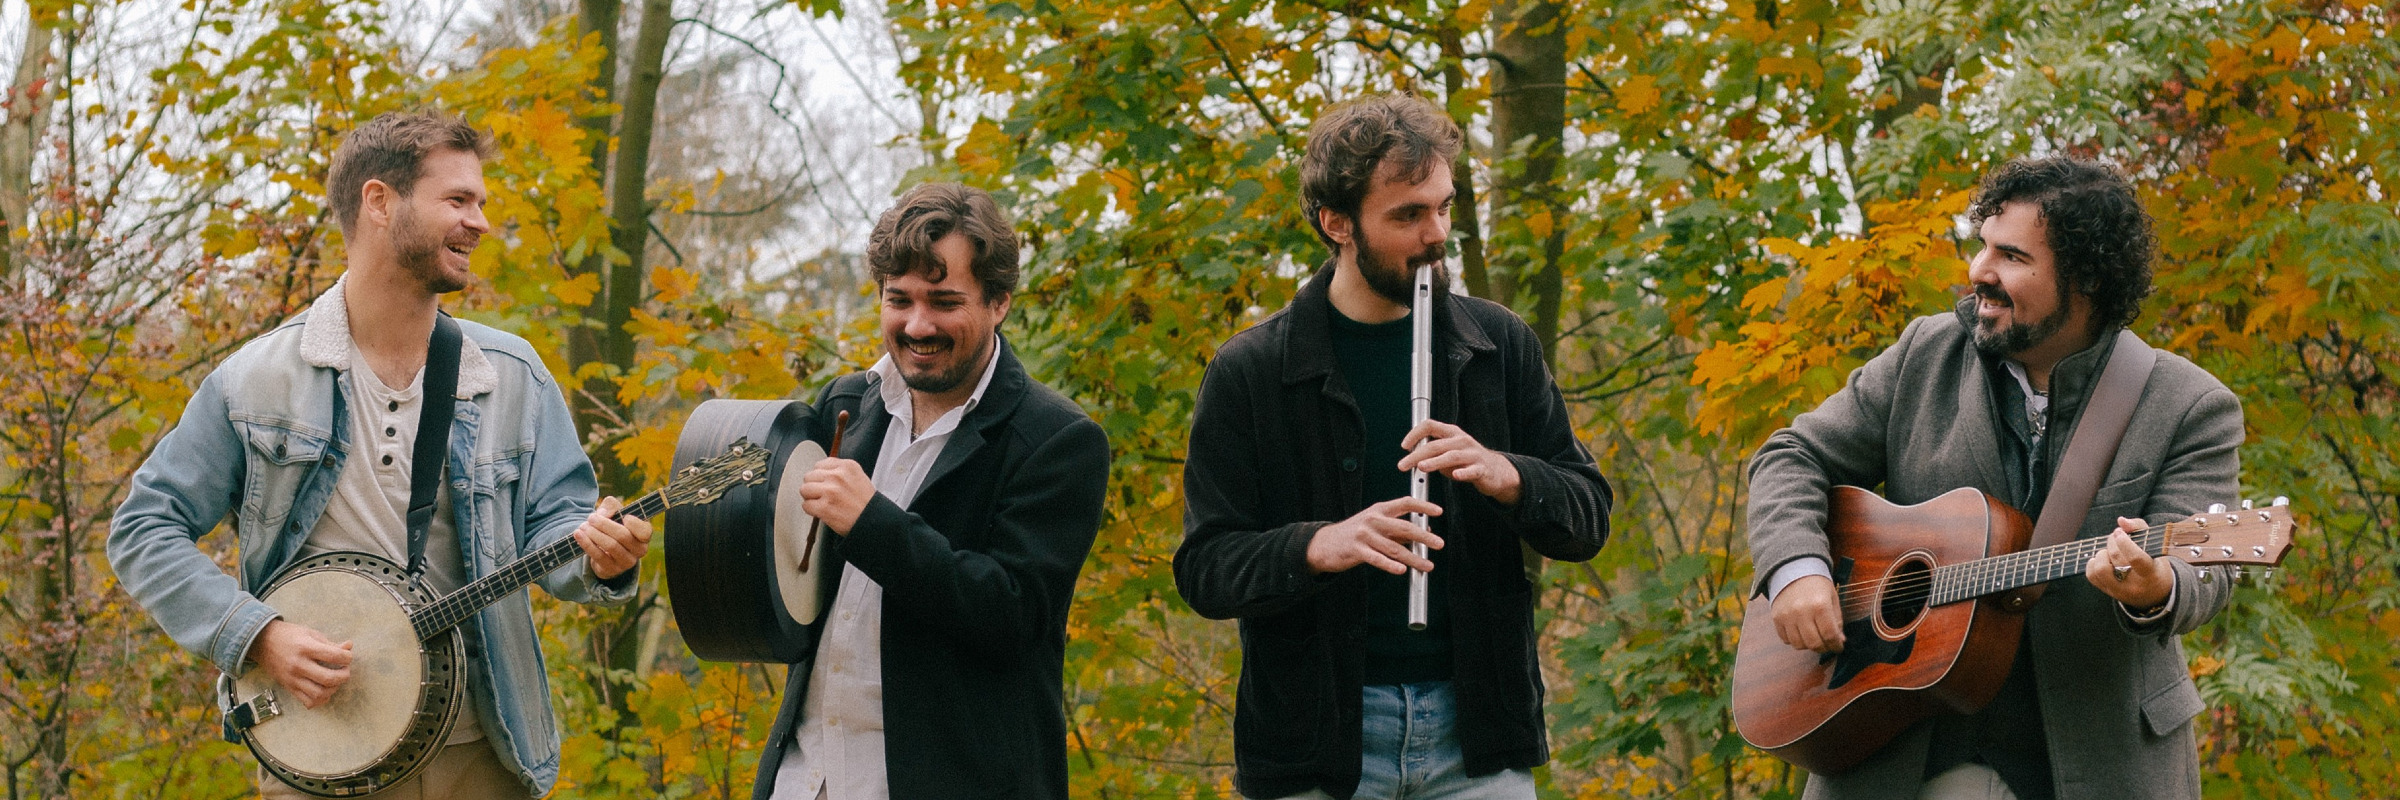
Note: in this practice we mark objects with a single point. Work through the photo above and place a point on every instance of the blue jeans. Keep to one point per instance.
(1411, 751)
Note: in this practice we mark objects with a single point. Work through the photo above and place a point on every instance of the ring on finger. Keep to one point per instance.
(2120, 571)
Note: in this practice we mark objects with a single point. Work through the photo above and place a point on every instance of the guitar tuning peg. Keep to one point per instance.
(2238, 573)
(2266, 575)
(2216, 508)
(2245, 505)
(2281, 500)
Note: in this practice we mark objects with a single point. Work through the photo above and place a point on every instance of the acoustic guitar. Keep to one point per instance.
(1928, 618)
(406, 689)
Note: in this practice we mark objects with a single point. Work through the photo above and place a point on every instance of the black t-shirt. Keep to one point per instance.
(1374, 362)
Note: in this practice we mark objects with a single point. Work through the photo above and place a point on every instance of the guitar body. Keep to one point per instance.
(1903, 661)
(403, 697)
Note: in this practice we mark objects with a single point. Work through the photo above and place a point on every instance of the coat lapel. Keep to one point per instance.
(999, 399)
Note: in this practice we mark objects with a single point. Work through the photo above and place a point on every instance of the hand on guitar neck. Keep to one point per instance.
(1808, 612)
(2125, 573)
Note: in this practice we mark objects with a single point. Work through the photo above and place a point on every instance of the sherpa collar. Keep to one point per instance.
(325, 342)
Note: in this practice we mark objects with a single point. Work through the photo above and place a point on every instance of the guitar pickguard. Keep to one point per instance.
(1861, 647)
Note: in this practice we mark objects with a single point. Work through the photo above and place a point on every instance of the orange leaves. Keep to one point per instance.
(1840, 303)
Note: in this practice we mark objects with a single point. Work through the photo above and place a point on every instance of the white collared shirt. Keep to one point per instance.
(837, 753)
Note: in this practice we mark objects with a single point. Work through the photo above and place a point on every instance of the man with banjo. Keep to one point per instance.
(1356, 680)
(962, 497)
(324, 439)
(2098, 703)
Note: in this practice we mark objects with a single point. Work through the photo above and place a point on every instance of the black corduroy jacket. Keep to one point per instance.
(1277, 450)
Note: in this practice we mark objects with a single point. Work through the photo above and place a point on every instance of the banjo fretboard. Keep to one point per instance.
(741, 463)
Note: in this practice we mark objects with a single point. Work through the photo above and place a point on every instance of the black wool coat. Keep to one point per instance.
(1277, 450)
(976, 577)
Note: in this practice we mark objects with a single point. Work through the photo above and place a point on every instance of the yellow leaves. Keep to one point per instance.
(1124, 186)
(673, 283)
(1837, 303)
(984, 150)
(650, 449)
(1540, 224)
(2289, 299)
(1800, 67)
(577, 291)
(1637, 95)
(661, 331)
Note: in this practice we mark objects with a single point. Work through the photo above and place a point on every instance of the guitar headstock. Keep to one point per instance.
(705, 480)
(2256, 537)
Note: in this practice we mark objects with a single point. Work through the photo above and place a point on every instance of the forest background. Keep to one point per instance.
(1710, 211)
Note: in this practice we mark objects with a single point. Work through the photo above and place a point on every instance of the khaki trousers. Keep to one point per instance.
(465, 771)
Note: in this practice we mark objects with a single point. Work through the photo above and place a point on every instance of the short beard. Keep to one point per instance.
(940, 382)
(420, 253)
(1398, 283)
(2017, 337)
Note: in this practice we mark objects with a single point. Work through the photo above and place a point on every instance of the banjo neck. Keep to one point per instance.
(742, 463)
(441, 615)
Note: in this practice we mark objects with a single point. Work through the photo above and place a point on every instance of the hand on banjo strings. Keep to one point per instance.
(301, 661)
(1377, 537)
(835, 492)
(2125, 573)
(613, 546)
(1437, 446)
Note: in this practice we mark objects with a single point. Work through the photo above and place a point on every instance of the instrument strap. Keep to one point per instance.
(433, 435)
(2094, 445)
(2089, 453)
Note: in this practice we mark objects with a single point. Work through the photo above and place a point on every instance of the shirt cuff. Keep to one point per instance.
(1796, 569)
(2164, 609)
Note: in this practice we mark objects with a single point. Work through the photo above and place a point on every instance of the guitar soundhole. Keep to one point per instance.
(1905, 592)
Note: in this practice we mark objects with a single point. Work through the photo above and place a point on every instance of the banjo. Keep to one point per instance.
(405, 693)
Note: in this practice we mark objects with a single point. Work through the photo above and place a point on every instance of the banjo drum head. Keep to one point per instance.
(369, 715)
(799, 562)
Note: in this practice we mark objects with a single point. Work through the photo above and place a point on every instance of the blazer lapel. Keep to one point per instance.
(1979, 421)
(999, 399)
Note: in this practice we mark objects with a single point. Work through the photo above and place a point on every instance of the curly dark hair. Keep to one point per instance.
(903, 239)
(1350, 141)
(2097, 229)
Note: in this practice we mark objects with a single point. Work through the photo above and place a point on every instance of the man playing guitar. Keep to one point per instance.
(306, 437)
(2098, 703)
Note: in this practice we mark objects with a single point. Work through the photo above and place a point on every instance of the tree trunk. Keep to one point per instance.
(629, 224)
(1464, 212)
(615, 635)
(28, 105)
(594, 402)
(1529, 119)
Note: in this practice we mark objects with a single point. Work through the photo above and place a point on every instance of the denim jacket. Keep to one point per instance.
(264, 439)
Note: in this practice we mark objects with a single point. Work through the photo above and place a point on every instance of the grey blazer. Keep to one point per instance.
(2117, 700)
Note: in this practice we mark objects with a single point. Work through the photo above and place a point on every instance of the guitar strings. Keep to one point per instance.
(1857, 597)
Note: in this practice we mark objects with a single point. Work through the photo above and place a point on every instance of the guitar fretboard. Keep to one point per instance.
(1955, 582)
(440, 615)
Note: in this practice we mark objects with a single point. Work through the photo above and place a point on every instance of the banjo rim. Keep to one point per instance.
(440, 693)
